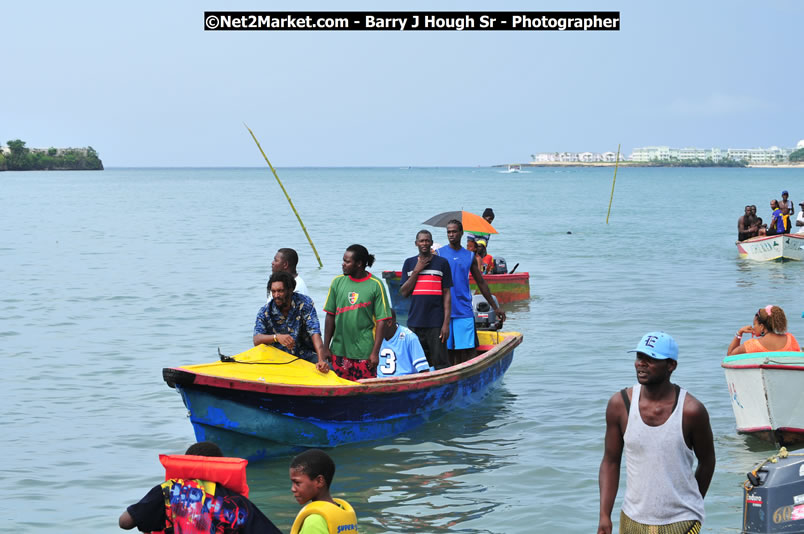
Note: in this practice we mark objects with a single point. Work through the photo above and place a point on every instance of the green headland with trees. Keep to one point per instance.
(18, 157)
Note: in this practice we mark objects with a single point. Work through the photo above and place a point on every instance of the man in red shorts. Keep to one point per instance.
(356, 308)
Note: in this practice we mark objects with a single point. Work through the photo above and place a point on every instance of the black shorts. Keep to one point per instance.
(434, 349)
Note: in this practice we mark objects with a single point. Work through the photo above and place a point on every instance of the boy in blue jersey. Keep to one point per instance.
(400, 351)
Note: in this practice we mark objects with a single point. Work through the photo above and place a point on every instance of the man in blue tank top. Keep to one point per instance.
(662, 430)
(462, 339)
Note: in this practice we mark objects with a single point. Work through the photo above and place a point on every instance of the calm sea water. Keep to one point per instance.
(108, 277)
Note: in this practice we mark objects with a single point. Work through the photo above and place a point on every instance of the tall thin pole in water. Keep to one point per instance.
(286, 194)
(616, 164)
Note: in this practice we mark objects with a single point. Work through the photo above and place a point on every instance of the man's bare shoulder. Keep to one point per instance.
(694, 408)
(616, 404)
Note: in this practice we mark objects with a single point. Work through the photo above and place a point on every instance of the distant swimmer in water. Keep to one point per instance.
(662, 430)
(770, 334)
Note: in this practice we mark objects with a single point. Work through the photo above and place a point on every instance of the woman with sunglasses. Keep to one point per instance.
(769, 334)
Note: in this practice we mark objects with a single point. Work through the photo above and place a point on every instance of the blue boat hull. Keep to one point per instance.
(258, 425)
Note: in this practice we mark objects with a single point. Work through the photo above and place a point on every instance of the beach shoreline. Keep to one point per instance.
(639, 164)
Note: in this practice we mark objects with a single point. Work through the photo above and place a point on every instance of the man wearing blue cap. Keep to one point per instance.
(663, 430)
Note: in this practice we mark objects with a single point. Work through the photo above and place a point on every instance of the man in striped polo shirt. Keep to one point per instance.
(427, 279)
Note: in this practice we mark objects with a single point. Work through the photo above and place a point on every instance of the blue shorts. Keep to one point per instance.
(461, 333)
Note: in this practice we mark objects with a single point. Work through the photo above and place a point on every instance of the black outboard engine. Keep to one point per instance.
(774, 496)
(485, 319)
(500, 267)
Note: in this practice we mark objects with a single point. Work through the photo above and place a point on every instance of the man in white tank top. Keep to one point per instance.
(662, 429)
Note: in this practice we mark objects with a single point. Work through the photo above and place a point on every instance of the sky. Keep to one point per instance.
(145, 85)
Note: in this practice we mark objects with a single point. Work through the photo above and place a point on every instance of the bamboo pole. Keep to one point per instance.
(286, 195)
(616, 164)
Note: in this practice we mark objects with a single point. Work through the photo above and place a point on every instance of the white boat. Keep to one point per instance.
(767, 394)
(513, 168)
(784, 247)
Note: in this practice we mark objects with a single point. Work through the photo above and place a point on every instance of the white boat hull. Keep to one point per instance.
(767, 394)
(785, 247)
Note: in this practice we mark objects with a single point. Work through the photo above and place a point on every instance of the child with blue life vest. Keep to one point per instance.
(203, 492)
(311, 475)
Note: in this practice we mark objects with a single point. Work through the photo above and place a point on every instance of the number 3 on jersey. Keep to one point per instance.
(389, 361)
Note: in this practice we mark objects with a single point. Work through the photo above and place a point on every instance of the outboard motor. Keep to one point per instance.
(484, 313)
(500, 267)
(774, 496)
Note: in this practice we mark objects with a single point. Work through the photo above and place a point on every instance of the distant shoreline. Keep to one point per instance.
(642, 164)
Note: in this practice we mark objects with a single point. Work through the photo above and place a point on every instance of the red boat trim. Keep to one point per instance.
(372, 385)
(753, 429)
(766, 238)
(764, 366)
(492, 277)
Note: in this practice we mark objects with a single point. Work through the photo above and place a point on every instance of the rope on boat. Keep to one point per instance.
(286, 195)
(783, 453)
(231, 359)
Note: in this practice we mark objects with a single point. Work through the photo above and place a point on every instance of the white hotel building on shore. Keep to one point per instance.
(756, 156)
(573, 157)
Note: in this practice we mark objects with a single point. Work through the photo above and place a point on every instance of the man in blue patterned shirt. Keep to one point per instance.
(289, 322)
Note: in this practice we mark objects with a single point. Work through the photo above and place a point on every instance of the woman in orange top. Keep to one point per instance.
(769, 331)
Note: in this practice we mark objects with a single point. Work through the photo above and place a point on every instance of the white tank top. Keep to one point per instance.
(660, 481)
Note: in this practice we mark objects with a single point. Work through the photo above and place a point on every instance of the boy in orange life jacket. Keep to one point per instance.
(311, 474)
(192, 505)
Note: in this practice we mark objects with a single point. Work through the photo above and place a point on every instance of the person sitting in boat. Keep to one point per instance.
(776, 225)
(311, 474)
(769, 331)
(400, 352)
(289, 322)
(800, 218)
(746, 225)
(194, 498)
(486, 260)
(762, 229)
(471, 246)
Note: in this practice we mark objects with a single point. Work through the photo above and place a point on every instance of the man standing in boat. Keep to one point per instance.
(427, 279)
(356, 308)
(663, 430)
(462, 338)
(286, 259)
(289, 322)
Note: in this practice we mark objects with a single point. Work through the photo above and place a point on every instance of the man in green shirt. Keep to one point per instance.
(356, 306)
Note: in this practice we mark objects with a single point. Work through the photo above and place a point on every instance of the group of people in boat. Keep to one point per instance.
(749, 225)
(361, 338)
(207, 492)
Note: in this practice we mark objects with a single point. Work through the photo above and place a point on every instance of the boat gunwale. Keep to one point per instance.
(397, 384)
(764, 360)
(757, 239)
(488, 277)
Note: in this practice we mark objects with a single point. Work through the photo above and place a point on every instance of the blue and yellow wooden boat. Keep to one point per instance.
(266, 402)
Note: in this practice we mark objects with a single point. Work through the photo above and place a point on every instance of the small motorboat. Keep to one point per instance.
(783, 247)
(767, 394)
(509, 287)
(258, 401)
